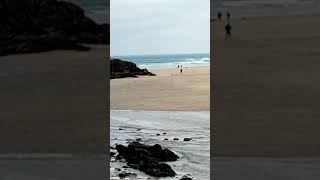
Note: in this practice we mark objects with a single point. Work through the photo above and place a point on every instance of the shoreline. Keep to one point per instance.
(175, 66)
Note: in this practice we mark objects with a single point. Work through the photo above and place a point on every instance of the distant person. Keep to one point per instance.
(228, 17)
(181, 71)
(219, 16)
(228, 31)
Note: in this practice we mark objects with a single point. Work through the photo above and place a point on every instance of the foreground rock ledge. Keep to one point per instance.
(148, 159)
(122, 69)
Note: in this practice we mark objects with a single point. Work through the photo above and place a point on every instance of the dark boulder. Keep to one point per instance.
(122, 69)
(148, 159)
(187, 139)
(127, 174)
(186, 177)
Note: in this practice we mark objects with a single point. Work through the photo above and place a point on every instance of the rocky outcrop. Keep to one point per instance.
(122, 69)
(148, 159)
(186, 177)
(41, 25)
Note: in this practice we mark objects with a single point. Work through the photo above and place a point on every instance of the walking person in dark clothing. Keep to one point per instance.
(228, 31)
(228, 17)
(219, 16)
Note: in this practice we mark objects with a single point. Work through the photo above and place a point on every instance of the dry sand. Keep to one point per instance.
(266, 87)
(170, 90)
(54, 102)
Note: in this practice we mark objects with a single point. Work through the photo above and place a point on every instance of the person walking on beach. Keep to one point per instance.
(219, 16)
(181, 71)
(228, 31)
(228, 17)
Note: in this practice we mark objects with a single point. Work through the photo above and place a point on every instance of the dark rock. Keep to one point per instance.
(125, 167)
(176, 139)
(166, 139)
(148, 158)
(112, 154)
(158, 134)
(186, 177)
(187, 139)
(120, 129)
(117, 169)
(158, 169)
(122, 69)
(138, 129)
(28, 26)
(138, 139)
(127, 174)
(164, 133)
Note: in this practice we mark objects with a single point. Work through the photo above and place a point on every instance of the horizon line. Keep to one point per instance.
(158, 54)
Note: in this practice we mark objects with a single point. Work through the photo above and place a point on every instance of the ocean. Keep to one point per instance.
(173, 60)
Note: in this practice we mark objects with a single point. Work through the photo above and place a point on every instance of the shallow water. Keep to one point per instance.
(194, 155)
(168, 60)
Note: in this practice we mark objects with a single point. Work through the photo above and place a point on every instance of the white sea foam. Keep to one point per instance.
(190, 62)
(194, 155)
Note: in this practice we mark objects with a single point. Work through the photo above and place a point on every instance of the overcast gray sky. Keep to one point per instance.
(140, 27)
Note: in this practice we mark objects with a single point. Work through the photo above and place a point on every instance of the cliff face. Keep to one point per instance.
(42, 25)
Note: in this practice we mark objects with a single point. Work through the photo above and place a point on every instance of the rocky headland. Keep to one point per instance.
(122, 69)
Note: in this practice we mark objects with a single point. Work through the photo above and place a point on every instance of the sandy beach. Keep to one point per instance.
(266, 95)
(47, 99)
(169, 103)
(169, 90)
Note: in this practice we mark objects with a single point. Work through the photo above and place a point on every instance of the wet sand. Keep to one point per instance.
(53, 102)
(266, 90)
(170, 90)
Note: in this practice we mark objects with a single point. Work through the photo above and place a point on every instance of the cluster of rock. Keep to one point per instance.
(149, 159)
(41, 25)
(122, 69)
